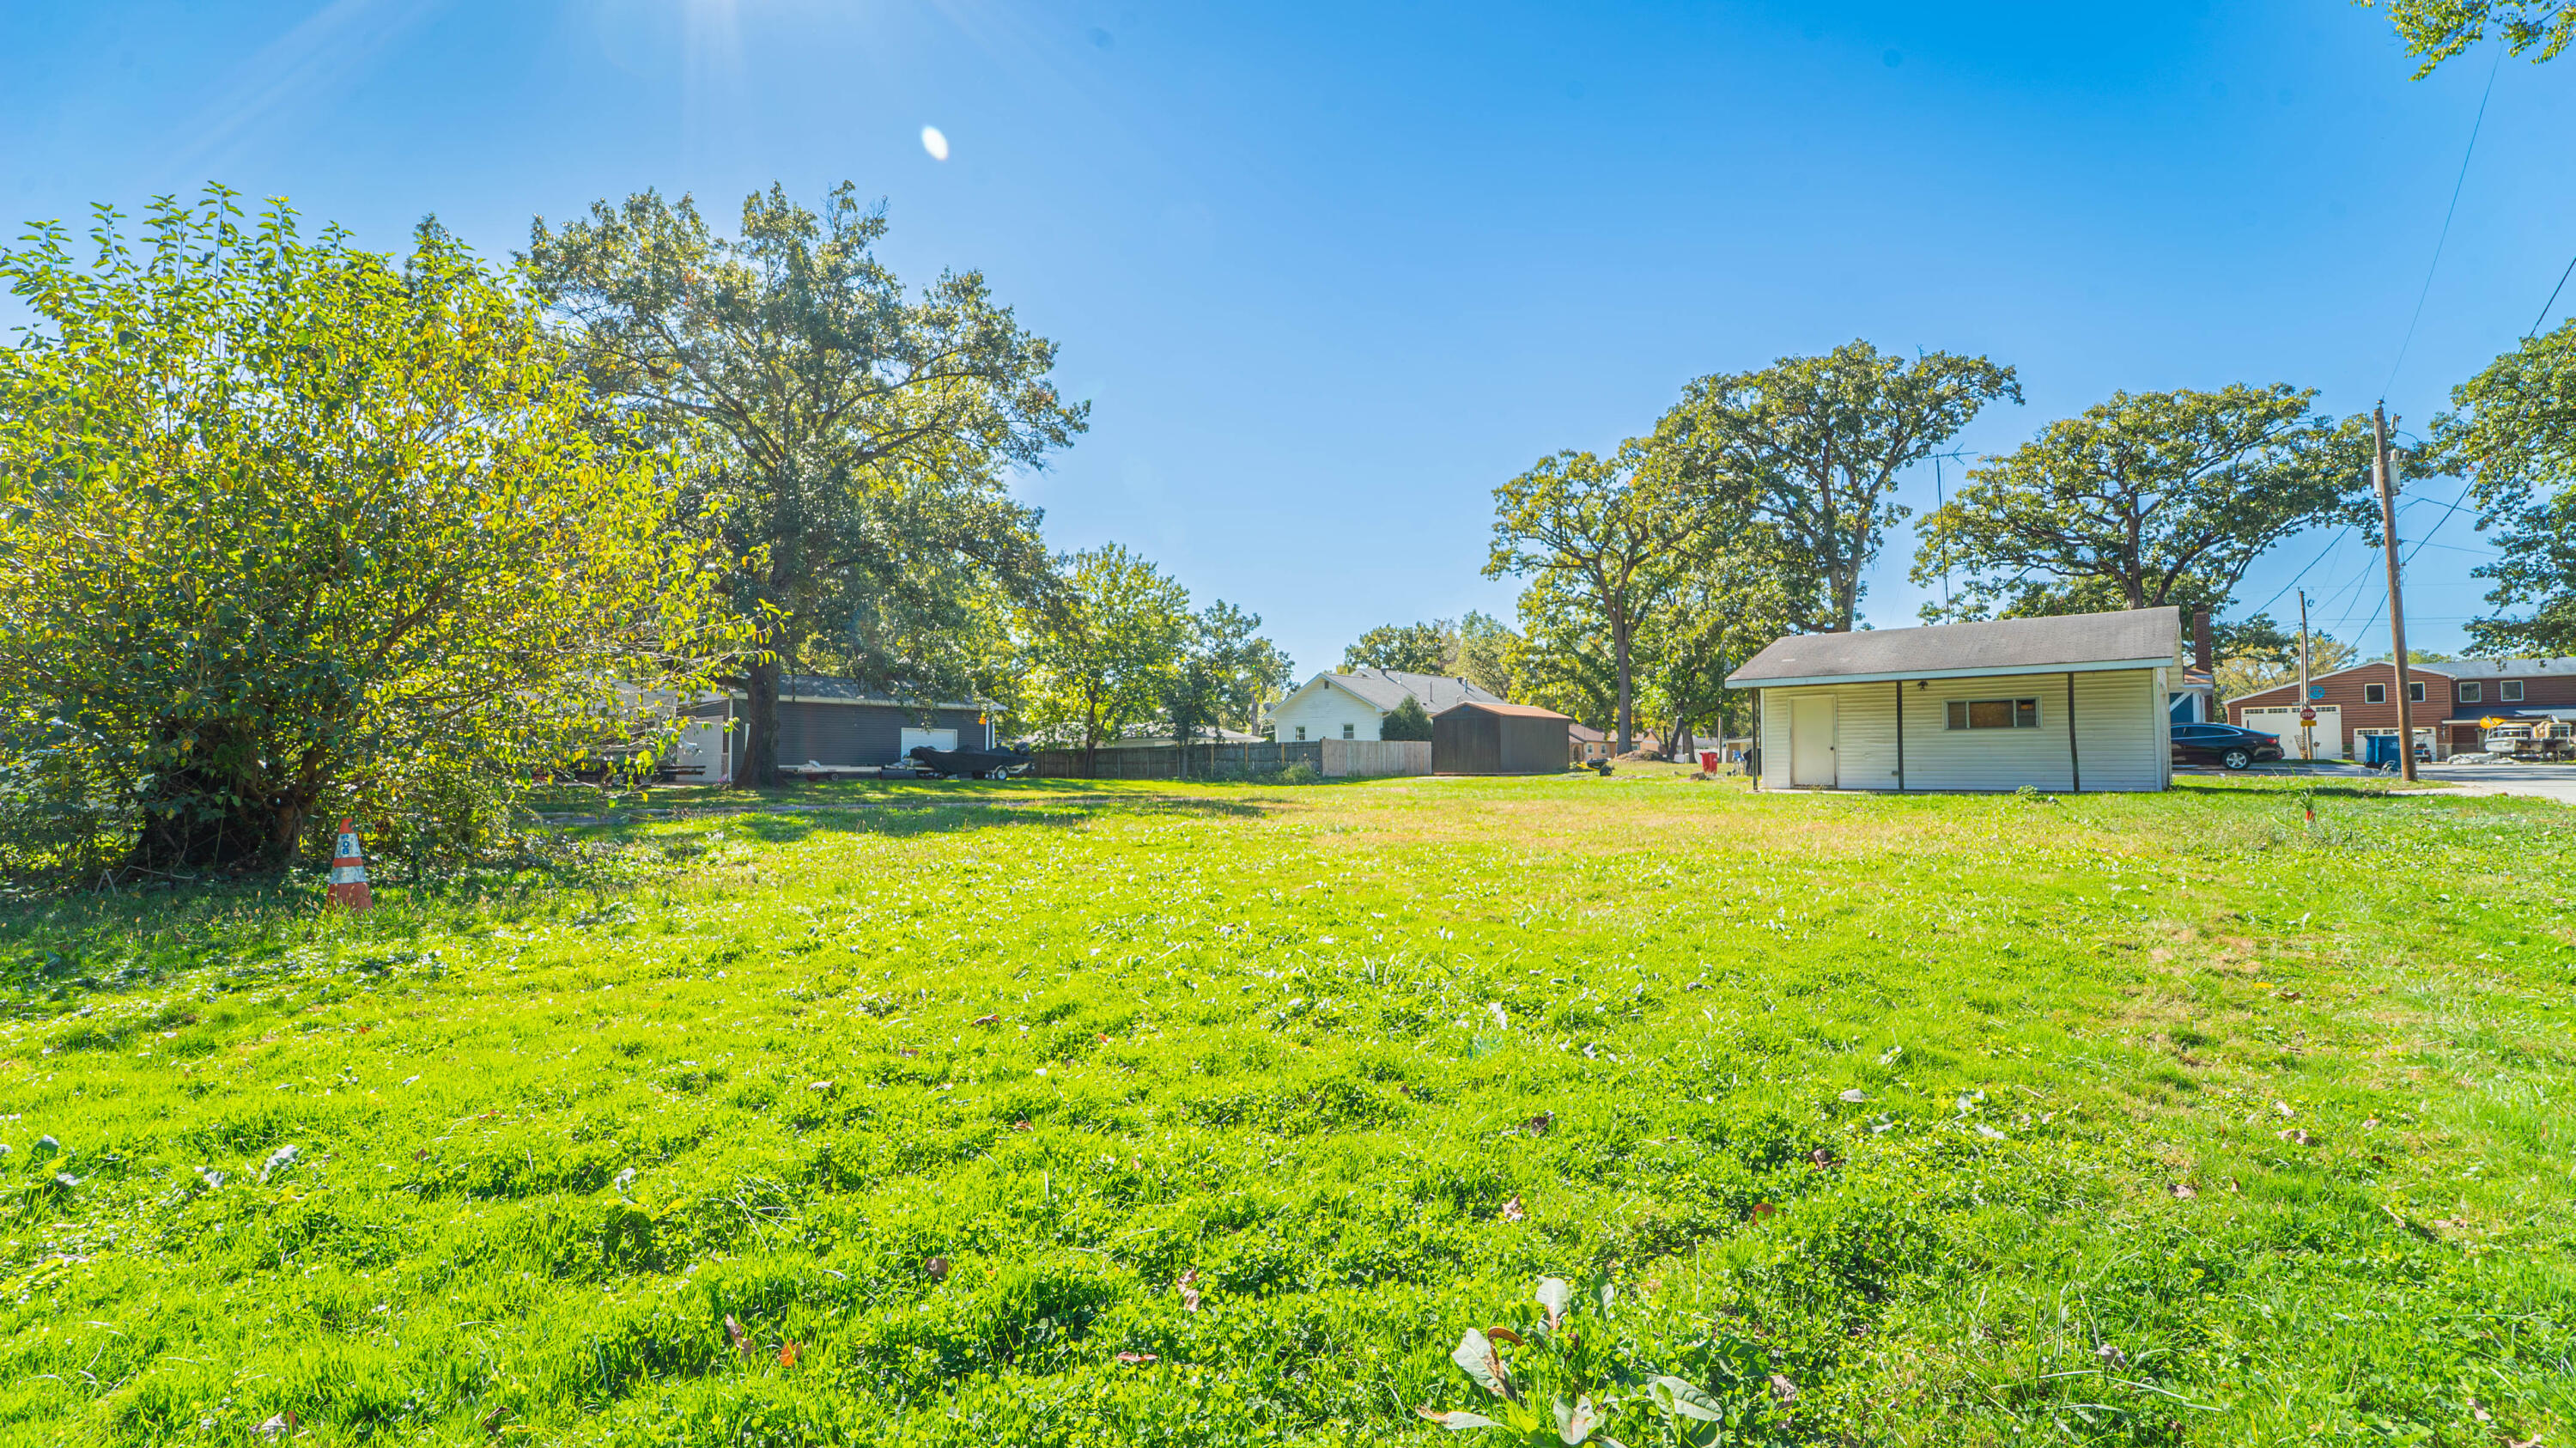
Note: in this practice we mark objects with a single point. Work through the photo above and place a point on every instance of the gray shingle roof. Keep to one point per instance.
(2493, 668)
(1386, 688)
(2136, 638)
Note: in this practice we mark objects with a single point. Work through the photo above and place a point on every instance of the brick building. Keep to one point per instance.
(2452, 699)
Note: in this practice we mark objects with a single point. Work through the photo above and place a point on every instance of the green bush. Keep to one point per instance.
(1405, 721)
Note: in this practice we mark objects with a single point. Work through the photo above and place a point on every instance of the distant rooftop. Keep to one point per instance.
(2129, 638)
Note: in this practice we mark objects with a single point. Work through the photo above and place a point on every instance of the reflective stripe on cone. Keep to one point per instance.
(349, 871)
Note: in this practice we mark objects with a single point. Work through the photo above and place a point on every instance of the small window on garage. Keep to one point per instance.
(1350, 731)
(1301, 731)
(1994, 714)
(2509, 690)
(2374, 693)
(2472, 693)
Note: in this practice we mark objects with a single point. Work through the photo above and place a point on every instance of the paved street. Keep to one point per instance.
(2545, 781)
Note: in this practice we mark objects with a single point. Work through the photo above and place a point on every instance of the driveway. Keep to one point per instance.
(2542, 781)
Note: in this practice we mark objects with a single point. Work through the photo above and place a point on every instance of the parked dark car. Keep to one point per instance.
(2223, 744)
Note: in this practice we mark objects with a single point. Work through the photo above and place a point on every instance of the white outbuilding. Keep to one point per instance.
(2071, 703)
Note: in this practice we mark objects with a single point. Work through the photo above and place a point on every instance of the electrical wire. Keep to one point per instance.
(2553, 300)
(2436, 264)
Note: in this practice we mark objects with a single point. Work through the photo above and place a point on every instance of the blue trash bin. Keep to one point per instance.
(2379, 751)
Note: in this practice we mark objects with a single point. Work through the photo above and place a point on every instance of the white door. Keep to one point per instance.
(2321, 740)
(1811, 743)
(936, 738)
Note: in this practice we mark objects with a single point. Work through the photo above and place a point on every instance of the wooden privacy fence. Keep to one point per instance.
(1331, 758)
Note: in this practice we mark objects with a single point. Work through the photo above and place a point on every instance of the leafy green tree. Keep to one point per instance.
(1224, 674)
(847, 434)
(2265, 655)
(2514, 434)
(1407, 720)
(1560, 659)
(2438, 30)
(2148, 499)
(1817, 444)
(1484, 655)
(1601, 527)
(1102, 652)
(290, 529)
(1719, 603)
(1412, 648)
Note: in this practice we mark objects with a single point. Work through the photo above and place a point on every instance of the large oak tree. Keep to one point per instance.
(2146, 499)
(1820, 442)
(840, 424)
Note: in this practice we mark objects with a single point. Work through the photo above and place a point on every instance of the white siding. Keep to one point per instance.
(1323, 710)
(2120, 734)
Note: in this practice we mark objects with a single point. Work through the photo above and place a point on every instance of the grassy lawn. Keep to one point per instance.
(1118, 1114)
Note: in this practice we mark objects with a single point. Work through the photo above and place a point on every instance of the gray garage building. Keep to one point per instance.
(1479, 737)
(828, 724)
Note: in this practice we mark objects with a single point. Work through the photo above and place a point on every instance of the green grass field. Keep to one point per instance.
(1127, 1114)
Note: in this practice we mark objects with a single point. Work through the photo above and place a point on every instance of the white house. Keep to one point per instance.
(1349, 706)
(2077, 702)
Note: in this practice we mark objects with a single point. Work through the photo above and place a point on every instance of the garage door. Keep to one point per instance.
(2324, 737)
(935, 738)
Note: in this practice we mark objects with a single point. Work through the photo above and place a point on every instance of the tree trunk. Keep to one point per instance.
(759, 767)
(1619, 647)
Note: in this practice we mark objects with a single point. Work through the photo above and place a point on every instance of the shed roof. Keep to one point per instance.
(2141, 638)
(1493, 706)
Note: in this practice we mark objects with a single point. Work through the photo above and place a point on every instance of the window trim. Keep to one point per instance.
(2508, 691)
(2471, 691)
(1350, 731)
(1958, 715)
(2374, 693)
(1301, 733)
(2415, 691)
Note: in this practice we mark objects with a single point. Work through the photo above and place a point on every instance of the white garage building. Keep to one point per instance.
(2072, 703)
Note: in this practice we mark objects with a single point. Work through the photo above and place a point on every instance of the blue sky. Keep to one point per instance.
(1330, 273)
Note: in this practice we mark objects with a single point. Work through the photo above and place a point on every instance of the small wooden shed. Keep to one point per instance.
(1478, 737)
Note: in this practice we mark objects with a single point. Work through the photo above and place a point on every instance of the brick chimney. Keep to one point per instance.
(2200, 645)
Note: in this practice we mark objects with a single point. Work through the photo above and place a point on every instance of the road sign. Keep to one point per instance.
(2307, 716)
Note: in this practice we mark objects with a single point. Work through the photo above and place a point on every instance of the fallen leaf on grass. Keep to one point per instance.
(1188, 1287)
(2296, 1136)
(984, 1020)
(2284, 1108)
(278, 1426)
(2111, 1356)
(1138, 1357)
(1824, 1157)
(1512, 1211)
(1855, 1095)
(909, 1051)
(1539, 1125)
(1759, 1210)
(2183, 1191)
(936, 1269)
(1783, 1389)
(741, 1339)
(1020, 1125)
(788, 1352)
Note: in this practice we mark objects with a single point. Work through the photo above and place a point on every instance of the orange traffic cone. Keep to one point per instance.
(349, 871)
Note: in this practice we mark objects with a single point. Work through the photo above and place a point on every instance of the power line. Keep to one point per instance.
(2438, 242)
(2553, 299)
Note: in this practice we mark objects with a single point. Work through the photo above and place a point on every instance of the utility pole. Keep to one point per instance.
(2387, 471)
(2307, 731)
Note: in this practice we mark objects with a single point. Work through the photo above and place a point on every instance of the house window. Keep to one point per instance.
(2510, 691)
(1301, 731)
(2472, 693)
(2374, 693)
(1994, 713)
(1350, 731)
(2415, 691)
